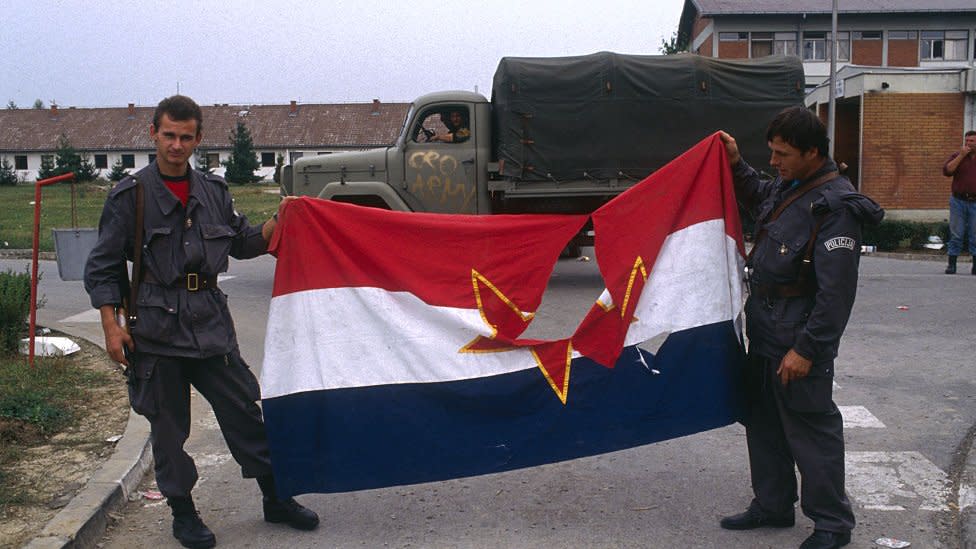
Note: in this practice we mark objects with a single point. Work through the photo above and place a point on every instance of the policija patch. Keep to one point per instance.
(839, 242)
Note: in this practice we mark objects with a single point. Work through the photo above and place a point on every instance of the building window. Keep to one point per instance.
(152, 158)
(816, 46)
(902, 35)
(128, 161)
(733, 36)
(784, 43)
(267, 160)
(213, 161)
(295, 156)
(944, 45)
(101, 161)
(20, 161)
(866, 35)
(769, 43)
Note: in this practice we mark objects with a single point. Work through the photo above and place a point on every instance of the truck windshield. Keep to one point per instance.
(406, 120)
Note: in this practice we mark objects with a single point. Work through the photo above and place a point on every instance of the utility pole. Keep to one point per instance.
(832, 102)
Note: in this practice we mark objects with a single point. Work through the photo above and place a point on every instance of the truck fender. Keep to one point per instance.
(348, 192)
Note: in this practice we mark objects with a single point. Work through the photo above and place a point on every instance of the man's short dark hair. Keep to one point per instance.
(801, 128)
(970, 132)
(179, 108)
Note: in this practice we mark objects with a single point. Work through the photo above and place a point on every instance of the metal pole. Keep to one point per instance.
(833, 76)
(37, 227)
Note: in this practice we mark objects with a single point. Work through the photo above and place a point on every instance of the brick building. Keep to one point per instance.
(905, 85)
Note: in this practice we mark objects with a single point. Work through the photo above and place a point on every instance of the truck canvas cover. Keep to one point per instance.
(611, 116)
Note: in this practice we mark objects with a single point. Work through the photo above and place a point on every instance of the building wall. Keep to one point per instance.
(906, 138)
(733, 50)
(903, 53)
(867, 52)
(700, 24)
(706, 47)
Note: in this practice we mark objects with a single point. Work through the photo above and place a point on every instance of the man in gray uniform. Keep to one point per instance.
(802, 282)
(183, 334)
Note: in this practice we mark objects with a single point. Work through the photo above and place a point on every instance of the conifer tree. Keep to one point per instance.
(118, 171)
(66, 158)
(8, 176)
(243, 160)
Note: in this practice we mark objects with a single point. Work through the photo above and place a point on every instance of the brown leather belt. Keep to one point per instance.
(968, 197)
(191, 281)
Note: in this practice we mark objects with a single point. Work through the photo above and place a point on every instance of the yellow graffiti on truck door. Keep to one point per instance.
(440, 179)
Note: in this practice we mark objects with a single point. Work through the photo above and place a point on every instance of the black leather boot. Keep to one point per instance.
(754, 517)
(288, 510)
(951, 269)
(187, 526)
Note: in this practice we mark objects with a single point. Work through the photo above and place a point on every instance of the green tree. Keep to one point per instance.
(86, 168)
(243, 160)
(11, 106)
(677, 44)
(38, 104)
(8, 176)
(118, 171)
(47, 167)
(66, 158)
(202, 163)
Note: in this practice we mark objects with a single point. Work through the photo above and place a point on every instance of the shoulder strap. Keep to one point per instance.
(136, 255)
(783, 205)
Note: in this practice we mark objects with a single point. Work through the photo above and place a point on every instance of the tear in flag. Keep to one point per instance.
(394, 352)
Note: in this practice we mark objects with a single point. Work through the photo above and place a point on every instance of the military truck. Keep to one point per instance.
(559, 135)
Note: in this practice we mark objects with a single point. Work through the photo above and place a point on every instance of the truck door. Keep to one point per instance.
(439, 160)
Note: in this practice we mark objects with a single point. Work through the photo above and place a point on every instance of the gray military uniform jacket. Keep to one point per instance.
(810, 324)
(172, 320)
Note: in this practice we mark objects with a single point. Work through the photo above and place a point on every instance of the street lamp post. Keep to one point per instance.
(831, 105)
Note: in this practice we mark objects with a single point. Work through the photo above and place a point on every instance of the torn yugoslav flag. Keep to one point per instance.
(393, 353)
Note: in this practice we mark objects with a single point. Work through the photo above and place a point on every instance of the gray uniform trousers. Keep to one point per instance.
(779, 437)
(159, 389)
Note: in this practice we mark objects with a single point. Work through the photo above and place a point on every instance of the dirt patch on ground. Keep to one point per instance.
(51, 470)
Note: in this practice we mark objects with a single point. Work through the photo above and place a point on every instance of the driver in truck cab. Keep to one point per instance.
(457, 128)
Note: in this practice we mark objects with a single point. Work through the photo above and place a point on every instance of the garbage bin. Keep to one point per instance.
(72, 247)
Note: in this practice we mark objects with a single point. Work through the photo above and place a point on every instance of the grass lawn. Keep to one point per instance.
(36, 403)
(17, 213)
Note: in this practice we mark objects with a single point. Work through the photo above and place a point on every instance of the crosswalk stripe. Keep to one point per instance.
(896, 481)
(859, 417)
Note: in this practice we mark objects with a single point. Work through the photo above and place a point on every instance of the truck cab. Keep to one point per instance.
(436, 165)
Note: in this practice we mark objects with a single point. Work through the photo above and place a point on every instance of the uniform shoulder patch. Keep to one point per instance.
(839, 242)
(214, 178)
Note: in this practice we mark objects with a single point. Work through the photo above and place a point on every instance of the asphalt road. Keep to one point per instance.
(905, 384)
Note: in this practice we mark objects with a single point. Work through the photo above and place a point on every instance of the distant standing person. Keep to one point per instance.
(184, 334)
(961, 167)
(802, 282)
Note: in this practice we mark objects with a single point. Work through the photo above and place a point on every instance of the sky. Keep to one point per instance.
(101, 53)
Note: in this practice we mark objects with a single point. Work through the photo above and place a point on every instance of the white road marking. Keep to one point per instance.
(92, 315)
(967, 496)
(859, 416)
(896, 481)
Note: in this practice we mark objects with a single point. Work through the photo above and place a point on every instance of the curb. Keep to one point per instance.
(82, 523)
(967, 501)
(84, 520)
